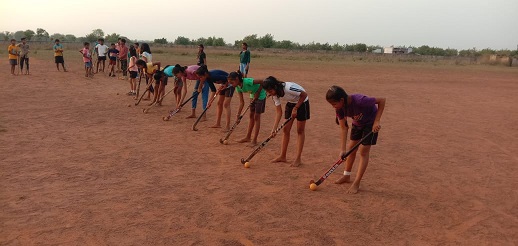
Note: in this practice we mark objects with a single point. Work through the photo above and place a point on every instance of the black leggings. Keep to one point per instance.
(26, 59)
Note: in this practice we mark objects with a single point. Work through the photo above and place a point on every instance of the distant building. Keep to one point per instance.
(396, 50)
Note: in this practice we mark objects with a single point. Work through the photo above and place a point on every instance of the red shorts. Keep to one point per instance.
(113, 62)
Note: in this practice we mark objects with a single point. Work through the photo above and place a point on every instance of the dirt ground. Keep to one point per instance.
(79, 167)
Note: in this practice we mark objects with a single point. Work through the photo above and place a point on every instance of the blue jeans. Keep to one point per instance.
(204, 93)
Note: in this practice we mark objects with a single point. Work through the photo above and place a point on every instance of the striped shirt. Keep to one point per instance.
(291, 93)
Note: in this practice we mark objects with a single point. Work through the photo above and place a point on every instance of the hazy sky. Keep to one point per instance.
(459, 24)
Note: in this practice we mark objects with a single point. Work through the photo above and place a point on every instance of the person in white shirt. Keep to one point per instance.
(101, 49)
(297, 107)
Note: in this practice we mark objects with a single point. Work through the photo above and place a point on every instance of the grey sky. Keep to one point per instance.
(459, 24)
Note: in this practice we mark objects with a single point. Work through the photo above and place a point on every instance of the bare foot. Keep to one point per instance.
(215, 126)
(252, 144)
(244, 140)
(296, 163)
(279, 159)
(354, 188)
(191, 116)
(203, 119)
(225, 130)
(343, 179)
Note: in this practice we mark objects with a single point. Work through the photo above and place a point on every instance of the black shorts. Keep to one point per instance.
(158, 81)
(13, 61)
(258, 106)
(101, 58)
(59, 59)
(302, 112)
(227, 92)
(358, 132)
(133, 74)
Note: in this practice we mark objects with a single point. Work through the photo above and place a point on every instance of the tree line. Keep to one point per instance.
(253, 41)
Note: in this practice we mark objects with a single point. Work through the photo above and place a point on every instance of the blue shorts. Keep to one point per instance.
(242, 67)
(88, 64)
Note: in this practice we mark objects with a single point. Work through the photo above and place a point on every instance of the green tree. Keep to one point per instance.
(469, 52)
(70, 38)
(29, 34)
(337, 47)
(266, 41)
(218, 42)
(251, 40)
(112, 38)
(41, 35)
(160, 41)
(201, 41)
(182, 41)
(284, 44)
(18, 35)
(58, 36)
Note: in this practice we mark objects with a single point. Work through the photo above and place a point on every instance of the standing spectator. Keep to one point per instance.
(146, 53)
(117, 46)
(123, 57)
(101, 50)
(24, 55)
(244, 60)
(202, 58)
(58, 55)
(13, 55)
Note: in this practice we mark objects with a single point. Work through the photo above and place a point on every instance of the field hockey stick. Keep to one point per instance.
(149, 86)
(145, 110)
(176, 110)
(224, 139)
(243, 161)
(139, 80)
(205, 110)
(340, 161)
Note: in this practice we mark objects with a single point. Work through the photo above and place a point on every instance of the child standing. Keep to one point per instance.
(87, 59)
(24, 55)
(146, 53)
(101, 50)
(186, 73)
(133, 70)
(297, 107)
(257, 95)
(13, 55)
(123, 57)
(58, 54)
(366, 115)
(244, 60)
(202, 58)
(112, 54)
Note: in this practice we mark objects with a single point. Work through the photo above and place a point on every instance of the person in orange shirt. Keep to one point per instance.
(13, 55)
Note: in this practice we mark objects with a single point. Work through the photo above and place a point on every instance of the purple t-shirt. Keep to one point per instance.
(190, 72)
(362, 110)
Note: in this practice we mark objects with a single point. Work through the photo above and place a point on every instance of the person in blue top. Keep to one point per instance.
(257, 96)
(208, 79)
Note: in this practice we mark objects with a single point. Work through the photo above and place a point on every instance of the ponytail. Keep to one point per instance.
(177, 69)
(271, 83)
(335, 94)
(236, 75)
(202, 70)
